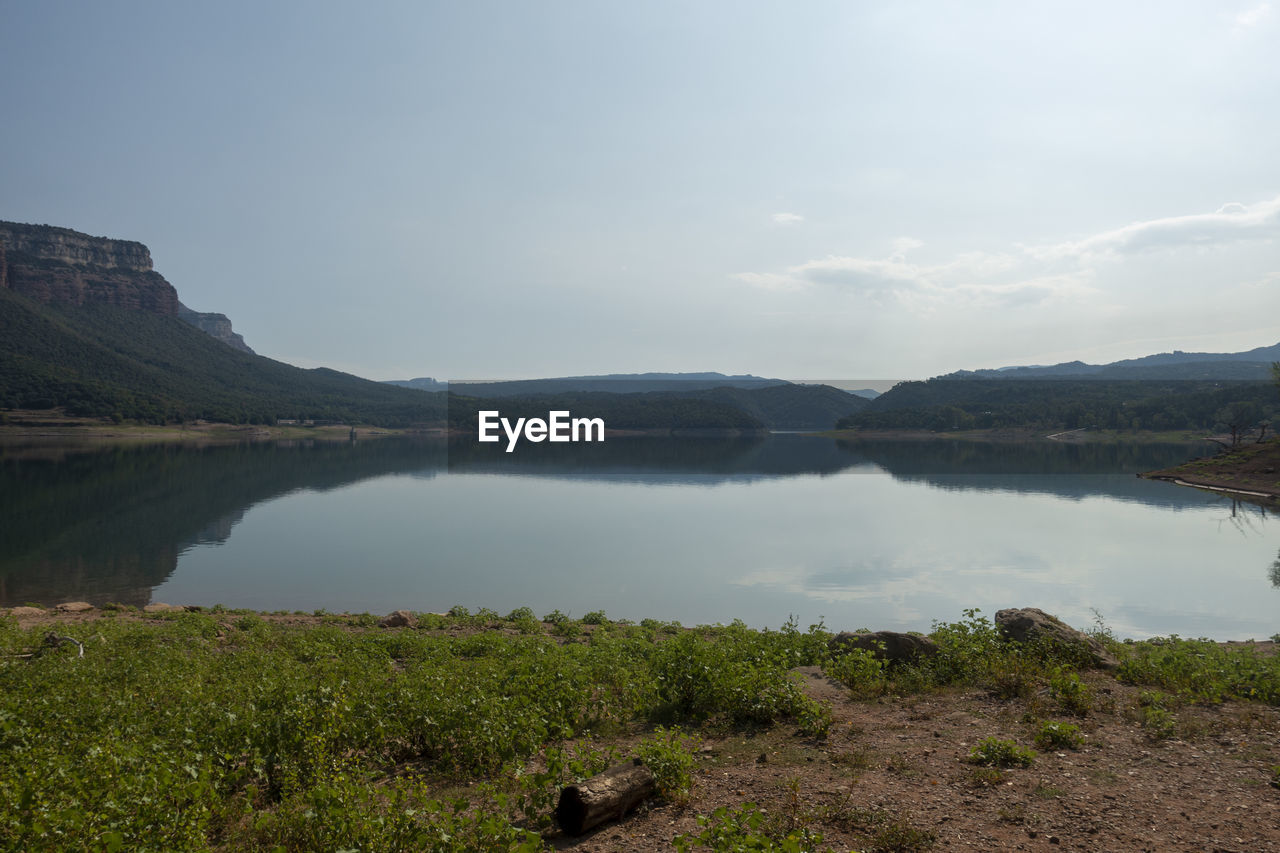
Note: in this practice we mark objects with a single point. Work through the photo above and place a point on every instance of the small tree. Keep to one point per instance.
(1238, 419)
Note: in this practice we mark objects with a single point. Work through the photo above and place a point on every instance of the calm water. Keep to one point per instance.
(882, 535)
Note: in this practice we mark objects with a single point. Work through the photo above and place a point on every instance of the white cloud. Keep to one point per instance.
(966, 279)
(1230, 223)
(1029, 275)
(785, 218)
(1250, 18)
(902, 245)
(863, 273)
(771, 281)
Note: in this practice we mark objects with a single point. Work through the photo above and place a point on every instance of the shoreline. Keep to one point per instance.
(79, 612)
(1014, 436)
(1251, 471)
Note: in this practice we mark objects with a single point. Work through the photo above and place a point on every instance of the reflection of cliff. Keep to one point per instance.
(109, 526)
(695, 461)
(215, 532)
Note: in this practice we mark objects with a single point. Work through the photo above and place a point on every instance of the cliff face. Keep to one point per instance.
(60, 265)
(214, 325)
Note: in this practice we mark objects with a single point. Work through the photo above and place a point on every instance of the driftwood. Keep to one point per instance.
(608, 796)
(52, 640)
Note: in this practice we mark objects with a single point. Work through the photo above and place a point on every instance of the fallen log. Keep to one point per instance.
(53, 641)
(608, 796)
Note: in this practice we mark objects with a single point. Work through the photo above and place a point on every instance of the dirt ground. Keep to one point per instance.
(893, 774)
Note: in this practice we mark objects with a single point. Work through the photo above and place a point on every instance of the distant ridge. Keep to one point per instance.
(617, 383)
(1251, 364)
(422, 383)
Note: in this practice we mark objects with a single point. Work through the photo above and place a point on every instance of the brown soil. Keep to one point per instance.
(892, 766)
(1252, 469)
(56, 429)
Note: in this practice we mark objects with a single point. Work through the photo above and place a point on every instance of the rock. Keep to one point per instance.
(161, 607)
(1029, 624)
(74, 606)
(214, 325)
(398, 619)
(886, 645)
(50, 264)
(27, 612)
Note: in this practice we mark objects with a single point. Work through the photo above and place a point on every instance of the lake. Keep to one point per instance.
(884, 534)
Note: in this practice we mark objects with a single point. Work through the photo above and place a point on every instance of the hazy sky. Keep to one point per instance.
(519, 189)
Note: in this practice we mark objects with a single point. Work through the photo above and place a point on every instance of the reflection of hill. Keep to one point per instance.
(1062, 469)
(693, 461)
(108, 526)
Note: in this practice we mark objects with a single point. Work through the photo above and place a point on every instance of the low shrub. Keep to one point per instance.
(997, 752)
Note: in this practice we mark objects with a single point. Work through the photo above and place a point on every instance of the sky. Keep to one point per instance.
(814, 189)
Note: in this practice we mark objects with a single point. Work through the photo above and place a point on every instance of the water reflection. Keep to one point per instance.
(109, 524)
(739, 525)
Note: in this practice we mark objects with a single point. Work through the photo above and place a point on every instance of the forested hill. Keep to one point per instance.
(1254, 364)
(780, 407)
(108, 360)
(1045, 404)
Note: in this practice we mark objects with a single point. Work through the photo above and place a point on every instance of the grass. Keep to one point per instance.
(226, 730)
(220, 729)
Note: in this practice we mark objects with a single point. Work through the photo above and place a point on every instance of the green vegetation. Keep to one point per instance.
(1052, 734)
(228, 730)
(104, 361)
(963, 404)
(782, 406)
(235, 731)
(746, 829)
(998, 752)
(670, 755)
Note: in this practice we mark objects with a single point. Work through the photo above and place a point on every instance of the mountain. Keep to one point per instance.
(105, 360)
(48, 264)
(789, 407)
(51, 264)
(1062, 403)
(422, 383)
(617, 383)
(1253, 364)
(215, 325)
(777, 407)
(87, 324)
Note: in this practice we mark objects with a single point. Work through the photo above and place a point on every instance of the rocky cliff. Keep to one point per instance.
(214, 325)
(51, 264)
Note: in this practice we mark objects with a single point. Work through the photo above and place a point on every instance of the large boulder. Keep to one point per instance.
(889, 646)
(1031, 624)
(161, 607)
(74, 606)
(398, 619)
